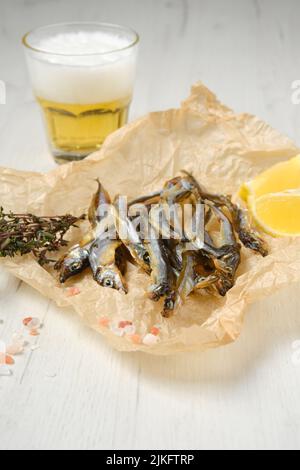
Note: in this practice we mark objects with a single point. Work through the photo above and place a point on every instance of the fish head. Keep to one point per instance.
(112, 279)
(229, 263)
(72, 264)
(170, 305)
(144, 258)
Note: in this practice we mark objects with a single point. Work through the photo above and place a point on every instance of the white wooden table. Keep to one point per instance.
(74, 392)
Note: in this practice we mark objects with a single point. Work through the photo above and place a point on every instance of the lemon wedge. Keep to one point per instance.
(278, 213)
(273, 198)
(281, 177)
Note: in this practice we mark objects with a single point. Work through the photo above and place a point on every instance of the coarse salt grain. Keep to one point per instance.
(124, 323)
(136, 339)
(14, 349)
(9, 360)
(16, 345)
(18, 338)
(72, 291)
(34, 324)
(103, 321)
(155, 331)
(117, 331)
(129, 330)
(150, 339)
(34, 333)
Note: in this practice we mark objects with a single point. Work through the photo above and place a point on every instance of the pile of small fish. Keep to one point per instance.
(178, 264)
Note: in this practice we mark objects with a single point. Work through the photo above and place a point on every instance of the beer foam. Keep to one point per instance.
(82, 68)
(82, 43)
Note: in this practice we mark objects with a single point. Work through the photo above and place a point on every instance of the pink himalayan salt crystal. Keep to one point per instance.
(14, 349)
(103, 321)
(34, 333)
(136, 339)
(5, 359)
(124, 323)
(155, 331)
(150, 340)
(34, 324)
(72, 291)
(127, 327)
(18, 337)
(9, 360)
(117, 331)
(27, 320)
(16, 345)
(129, 330)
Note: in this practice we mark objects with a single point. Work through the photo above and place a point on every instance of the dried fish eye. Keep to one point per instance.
(108, 283)
(75, 266)
(169, 305)
(146, 258)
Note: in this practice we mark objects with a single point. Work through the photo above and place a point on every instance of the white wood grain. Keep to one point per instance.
(74, 392)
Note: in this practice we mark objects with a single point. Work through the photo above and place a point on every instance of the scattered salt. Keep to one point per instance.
(124, 323)
(129, 330)
(155, 331)
(9, 360)
(34, 333)
(150, 339)
(34, 324)
(18, 338)
(72, 291)
(103, 321)
(14, 349)
(117, 331)
(136, 339)
(16, 345)
(2, 357)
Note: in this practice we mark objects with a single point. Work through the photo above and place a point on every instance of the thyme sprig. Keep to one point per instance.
(21, 234)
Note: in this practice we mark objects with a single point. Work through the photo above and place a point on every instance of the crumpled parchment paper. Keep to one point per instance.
(222, 150)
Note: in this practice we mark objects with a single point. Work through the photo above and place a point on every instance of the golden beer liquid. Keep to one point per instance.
(75, 130)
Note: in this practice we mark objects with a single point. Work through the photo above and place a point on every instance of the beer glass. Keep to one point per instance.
(82, 76)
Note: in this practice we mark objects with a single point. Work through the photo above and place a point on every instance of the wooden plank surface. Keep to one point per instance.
(74, 391)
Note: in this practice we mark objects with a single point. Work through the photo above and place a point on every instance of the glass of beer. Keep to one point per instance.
(82, 76)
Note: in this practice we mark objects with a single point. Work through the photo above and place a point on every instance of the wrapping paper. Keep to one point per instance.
(222, 150)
